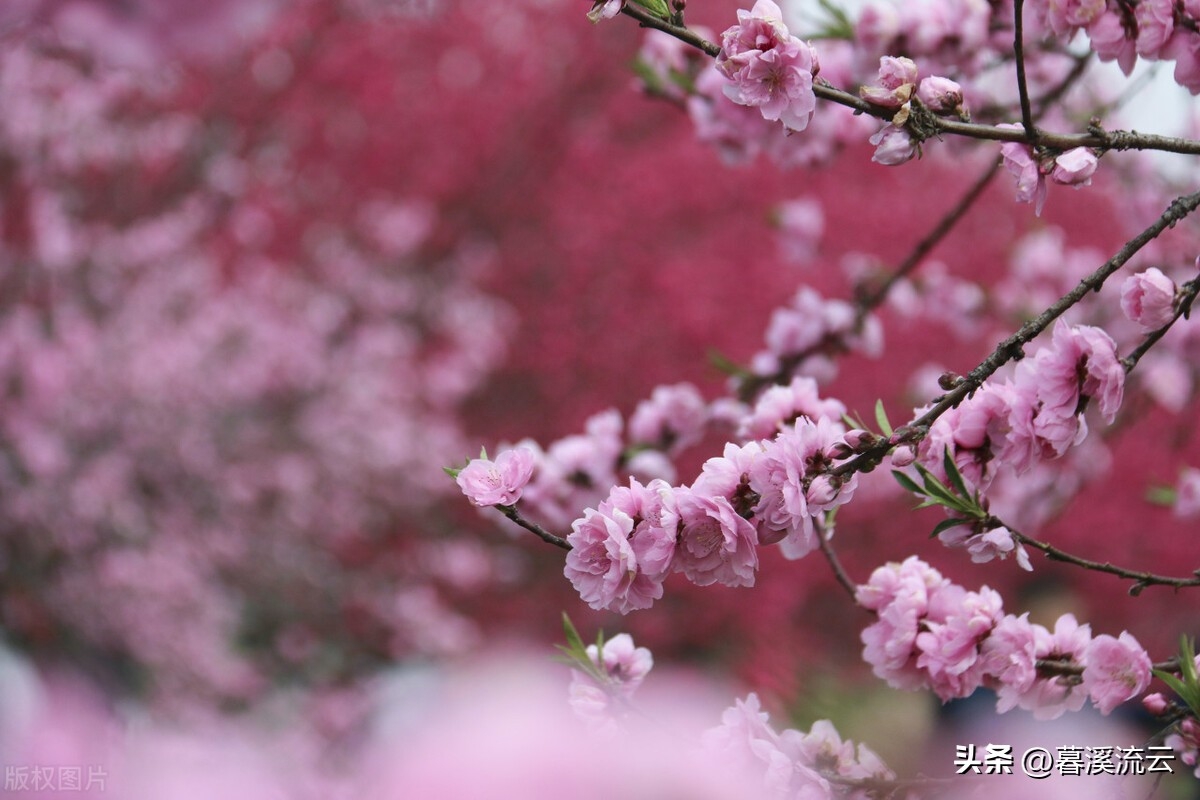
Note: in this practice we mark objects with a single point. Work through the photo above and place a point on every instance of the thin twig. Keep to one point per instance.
(1183, 307)
(1012, 348)
(1031, 132)
(836, 565)
(1141, 579)
(1096, 137)
(543, 534)
(871, 301)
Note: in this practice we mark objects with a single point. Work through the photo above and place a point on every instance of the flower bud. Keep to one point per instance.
(902, 456)
(822, 492)
(1075, 167)
(940, 95)
(1156, 704)
(1148, 299)
(893, 146)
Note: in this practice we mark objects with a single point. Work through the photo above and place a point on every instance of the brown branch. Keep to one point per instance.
(1141, 579)
(1031, 133)
(537, 530)
(1096, 138)
(1183, 307)
(1012, 348)
(835, 564)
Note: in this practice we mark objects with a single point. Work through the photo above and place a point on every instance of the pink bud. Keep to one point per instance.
(822, 492)
(893, 146)
(1075, 167)
(1156, 704)
(902, 456)
(940, 95)
(1148, 299)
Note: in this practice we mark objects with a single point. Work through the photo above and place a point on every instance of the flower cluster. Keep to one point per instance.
(768, 491)
(932, 633)
(1035, 415)
(804, 336)
(1074, 168)
(791, 763)
(896, 87)
(1160, 30)
(619, 669)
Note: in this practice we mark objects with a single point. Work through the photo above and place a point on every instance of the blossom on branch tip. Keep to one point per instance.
(768, 68)
(499, 482)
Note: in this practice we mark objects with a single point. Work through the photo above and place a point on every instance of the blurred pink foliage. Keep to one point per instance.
(258, 273)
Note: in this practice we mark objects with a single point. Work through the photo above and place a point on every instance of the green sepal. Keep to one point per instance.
(658, 8)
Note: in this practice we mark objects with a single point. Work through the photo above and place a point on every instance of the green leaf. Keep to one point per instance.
(907, 483)
(452, 471)
(727, 366)
(881, 418)
(937, 490)
(656, 7)
(574, 642)
(1160, 496)
(956, 478)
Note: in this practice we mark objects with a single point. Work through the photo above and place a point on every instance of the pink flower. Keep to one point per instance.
(716, 545)
(1187, 493)
(499, 482)
(605, 9)
(897, 81)
(1148, 299)
(1110, 40)
(1009, 655)
(1049, 697)
(768, 68)
(1064, 17)
(1074, 167)
(801, 223)
(1155, 25)
(958, 623)
(1081, 361)
(893, 146)
(672, 419)
(1022, 164)
(780, 406)
(1114, 670)
(603, 565)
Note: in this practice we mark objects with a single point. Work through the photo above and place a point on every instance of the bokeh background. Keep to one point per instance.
(266, 268)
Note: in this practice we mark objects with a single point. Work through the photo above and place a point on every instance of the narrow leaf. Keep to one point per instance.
(881, 418)
(947, 524)
(955, 477)
(907, 483)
